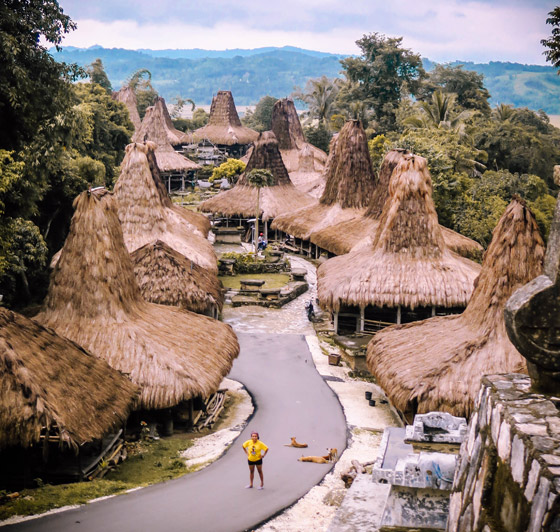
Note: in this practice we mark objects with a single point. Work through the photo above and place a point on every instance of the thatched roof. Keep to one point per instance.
(126, 95)
(408, 262)
(93, 299)
(437, 364)
(158, 127)
(50, 385)
(341, 238)
(145, 217)
(224, 126)
(198, 222)
(350, 182)
(305, 163)
(280, 197)
(167, 277)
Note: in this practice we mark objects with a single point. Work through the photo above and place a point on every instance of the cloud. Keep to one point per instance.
(442, 30)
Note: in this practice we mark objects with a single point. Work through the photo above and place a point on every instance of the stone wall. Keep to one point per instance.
(508, 473)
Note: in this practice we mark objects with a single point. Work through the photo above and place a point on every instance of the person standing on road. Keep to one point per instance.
(255, 450)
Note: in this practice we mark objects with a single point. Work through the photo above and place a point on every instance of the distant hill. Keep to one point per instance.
(252, 74)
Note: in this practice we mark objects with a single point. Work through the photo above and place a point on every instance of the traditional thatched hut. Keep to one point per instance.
(437, 364)
(341, 238)
(173, 355)
(157, 127)
(407, 273)
(350, 182)
(54, 396)
(305, 163)
(168, 278)
(199, 222)
(126, 95)
(240, 202)
(145, 217)
(224, 129)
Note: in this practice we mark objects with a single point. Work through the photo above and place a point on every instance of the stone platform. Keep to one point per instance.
(508, 474)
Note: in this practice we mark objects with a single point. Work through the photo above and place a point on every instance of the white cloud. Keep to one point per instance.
(441, 30)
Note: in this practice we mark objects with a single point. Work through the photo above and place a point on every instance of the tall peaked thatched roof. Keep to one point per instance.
(305, 163)
(224, 126)
(145, 217)
(93, 299)
(350, 182)
(126, 95)
(341, 238)
(158, 127)
(197, 221)
(280, 197)
(167, 277)
(48, 384)
(437, 364)
(408, 262)
(286, 125)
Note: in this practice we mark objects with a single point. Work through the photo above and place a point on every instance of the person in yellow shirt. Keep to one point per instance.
(255, 450)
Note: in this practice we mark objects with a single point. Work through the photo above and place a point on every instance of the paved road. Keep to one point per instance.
(291, 399)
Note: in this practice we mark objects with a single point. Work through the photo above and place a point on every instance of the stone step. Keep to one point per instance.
(362, 507)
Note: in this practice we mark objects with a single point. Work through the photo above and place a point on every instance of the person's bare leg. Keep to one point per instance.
(251, 475)
(260, 470)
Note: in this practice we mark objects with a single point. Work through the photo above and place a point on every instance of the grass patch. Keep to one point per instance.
(148, 463)
(272, 280)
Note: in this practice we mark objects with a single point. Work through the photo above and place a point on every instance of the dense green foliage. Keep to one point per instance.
(382, 76)
(552, 44)
(57, 139)
(261, 118)
(199, 119)
(97, 74)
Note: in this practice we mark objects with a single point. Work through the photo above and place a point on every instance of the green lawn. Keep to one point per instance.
(148, 463)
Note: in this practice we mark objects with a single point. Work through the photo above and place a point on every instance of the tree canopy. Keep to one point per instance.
(383, 75)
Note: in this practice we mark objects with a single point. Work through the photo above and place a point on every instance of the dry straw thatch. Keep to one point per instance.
(305, 163)
(94, 300)
(407, 263)
(280, 197)
(350, 182)
(353, 234)
(168, 278)
(437, 364)
(158, 127)
(145, 217)
(126, 95)
(224, 127)
(50, 385)
(199, 222)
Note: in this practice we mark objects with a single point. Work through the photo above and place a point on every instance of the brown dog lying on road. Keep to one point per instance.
(328, 458)
(295, 444)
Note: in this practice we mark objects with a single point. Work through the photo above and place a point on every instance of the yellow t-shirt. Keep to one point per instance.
(255, 449)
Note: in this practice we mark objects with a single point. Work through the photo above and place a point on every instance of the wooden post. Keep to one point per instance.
(335, 322)
(433, 311)
(398, 314)
(362, 318)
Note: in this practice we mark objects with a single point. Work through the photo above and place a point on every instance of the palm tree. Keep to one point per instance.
(259, 178)
(320, 96)
(503, 112)
(439, 113)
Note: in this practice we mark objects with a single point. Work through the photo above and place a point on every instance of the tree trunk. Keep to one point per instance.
(256, 236)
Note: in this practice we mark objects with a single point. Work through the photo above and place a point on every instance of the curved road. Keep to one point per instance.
(291, 399)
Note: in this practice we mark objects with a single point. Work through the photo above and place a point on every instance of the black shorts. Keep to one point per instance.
(256, 462)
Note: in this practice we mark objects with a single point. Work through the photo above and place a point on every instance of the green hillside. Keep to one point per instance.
(275, 73)
(252, 74)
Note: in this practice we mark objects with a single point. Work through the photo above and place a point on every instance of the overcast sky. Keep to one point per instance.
(441, 30)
